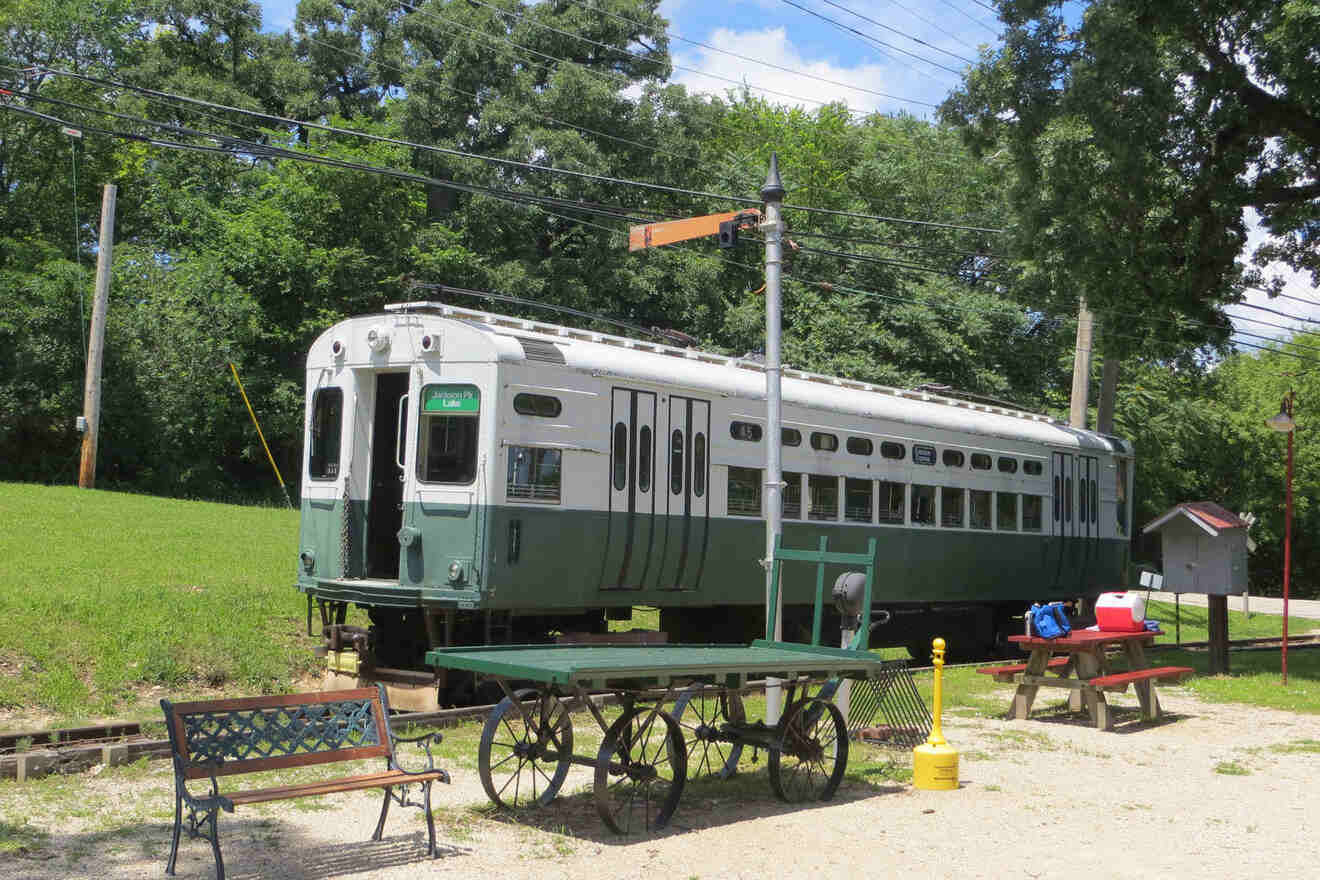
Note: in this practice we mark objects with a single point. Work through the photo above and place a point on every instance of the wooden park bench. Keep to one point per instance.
(1119, 681)
(1004, 674)
(254, 734)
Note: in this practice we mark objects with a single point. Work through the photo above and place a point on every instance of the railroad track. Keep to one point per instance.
(39, 752)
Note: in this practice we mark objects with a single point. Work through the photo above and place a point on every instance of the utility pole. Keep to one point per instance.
(96, 340)
(772, 193)
(1081, 366)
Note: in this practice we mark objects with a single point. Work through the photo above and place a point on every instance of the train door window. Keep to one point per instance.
(858, 496)
(699, 464)
(979, 508)
(923, 505)
(822, 442)
(951, 458)
(644, 459)
(620, 456)
(447, 439)
(748, 431)
(676, 461)
(327, 429)
(823, 497)
(534, 474)
(1032, 507)
(790, 436)
(951, 507)
(1083, 500)
(980, 461)
(744, 491)
(1067, 499)
(1006, 506)
(1095, 501)
(1058, 498)
(890, 449)
(860, 446)
(1007, 465)
(792, 501)
(891, 502)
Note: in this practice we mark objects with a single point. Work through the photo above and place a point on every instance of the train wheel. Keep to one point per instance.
(812, 753)
(640, 771)
(701, 711)
(524, 765)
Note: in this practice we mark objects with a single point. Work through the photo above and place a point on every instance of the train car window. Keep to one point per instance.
(1122, 498)
(889, 449)
(857, 500)
(537, 405)
(1058, 499)
(676, 461)
(744, 491)
(1082, 499)
(980, 461)
(891, 503)
(1095, 506)
(922, 454)
(1067, 499)
(822, 497)
(1032, 468)
(1032, 506)
(327, 430)
(644, 459)
(923, 505)
(952, 458)
(620, 456)
(534, 474)
(1006, 505)
(699, 465)
(790, 436)
(822, 442)
(951, 507)
(447, 434)
(979, 508)
(792, 500)
(749, 431)
(860, 446)
(1007, 465)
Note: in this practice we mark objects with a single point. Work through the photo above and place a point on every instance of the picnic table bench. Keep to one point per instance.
(1088, 659)
(252, 734)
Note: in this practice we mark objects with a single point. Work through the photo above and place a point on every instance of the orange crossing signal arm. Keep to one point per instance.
(671, 231)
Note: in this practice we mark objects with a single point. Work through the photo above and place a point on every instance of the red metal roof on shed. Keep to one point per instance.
(1213, 514)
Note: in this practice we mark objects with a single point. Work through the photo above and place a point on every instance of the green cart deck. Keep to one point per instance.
(602, 667)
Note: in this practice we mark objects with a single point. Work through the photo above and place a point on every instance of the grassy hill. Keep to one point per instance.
(105, 595)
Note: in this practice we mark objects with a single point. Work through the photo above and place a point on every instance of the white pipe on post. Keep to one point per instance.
(772, 193)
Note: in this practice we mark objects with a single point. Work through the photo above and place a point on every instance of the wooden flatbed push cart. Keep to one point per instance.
(647, 752)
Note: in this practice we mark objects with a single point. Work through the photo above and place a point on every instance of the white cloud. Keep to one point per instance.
(773, 45)
(1296, 284)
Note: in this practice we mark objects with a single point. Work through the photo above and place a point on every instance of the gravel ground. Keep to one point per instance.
(1212, 790)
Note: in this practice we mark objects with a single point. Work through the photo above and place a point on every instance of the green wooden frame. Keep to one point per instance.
(821, 557)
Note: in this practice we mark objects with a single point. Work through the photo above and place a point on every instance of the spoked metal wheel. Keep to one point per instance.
(640, 770)
(700, 711)
(521, 764)
(812, 753)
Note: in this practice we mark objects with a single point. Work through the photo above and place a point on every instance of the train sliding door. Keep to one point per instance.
(1063, 520)
(687, 460)
(1088, 514)
(631, 539)
(388, 457)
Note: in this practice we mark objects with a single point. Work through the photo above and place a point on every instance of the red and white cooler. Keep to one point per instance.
(1121, 612)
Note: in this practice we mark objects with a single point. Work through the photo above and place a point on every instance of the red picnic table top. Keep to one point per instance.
(1083, 639)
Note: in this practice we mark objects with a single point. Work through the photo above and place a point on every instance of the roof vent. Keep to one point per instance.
(539, 350)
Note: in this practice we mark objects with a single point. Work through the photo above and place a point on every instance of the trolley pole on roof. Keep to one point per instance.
(772, 193)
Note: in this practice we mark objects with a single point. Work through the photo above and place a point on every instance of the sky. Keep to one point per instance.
(908, 56)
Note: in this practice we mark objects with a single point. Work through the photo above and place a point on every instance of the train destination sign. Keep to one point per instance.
(451, 398)
(923, 454)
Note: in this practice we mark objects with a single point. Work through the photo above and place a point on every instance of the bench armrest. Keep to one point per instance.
(425, 741)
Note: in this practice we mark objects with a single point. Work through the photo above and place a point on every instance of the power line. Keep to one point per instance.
(770, 64)
(971, 17)
(865, 36)
(894, 244)
(1247, 305)
(950, 34)
(896, 30)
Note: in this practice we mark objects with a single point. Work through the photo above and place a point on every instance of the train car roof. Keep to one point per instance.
(515, 339)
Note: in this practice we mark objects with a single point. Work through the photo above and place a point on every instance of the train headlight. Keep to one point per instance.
(308, 560)
(338, 348)
(455, 572)
(378, 339)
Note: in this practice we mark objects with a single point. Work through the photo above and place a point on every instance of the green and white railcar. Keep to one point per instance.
(470, 478)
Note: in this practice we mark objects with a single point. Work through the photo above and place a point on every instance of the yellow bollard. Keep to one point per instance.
(935, 762)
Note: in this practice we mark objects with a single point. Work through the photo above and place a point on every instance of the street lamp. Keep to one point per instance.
(1284, 423)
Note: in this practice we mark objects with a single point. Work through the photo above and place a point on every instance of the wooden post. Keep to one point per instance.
(96, 340)
(1218, 621)
(1081, 384)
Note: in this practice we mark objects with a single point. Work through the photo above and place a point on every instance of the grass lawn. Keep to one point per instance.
(108, 594)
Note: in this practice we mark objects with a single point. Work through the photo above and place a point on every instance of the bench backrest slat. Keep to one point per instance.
(250, 734)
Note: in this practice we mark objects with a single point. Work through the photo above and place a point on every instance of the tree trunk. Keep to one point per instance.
(1104, 409)
(1081, 385)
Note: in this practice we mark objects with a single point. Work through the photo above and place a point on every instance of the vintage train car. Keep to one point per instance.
(471, 478)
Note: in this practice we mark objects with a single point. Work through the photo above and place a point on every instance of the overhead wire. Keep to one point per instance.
(967, 15)
(870, 39)
(879, 24)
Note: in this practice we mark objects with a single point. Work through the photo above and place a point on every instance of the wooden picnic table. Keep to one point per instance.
(1087, 673)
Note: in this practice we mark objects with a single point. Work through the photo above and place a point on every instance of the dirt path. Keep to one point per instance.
(1215, 790)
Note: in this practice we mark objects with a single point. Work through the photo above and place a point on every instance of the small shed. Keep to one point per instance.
(1204, 548)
